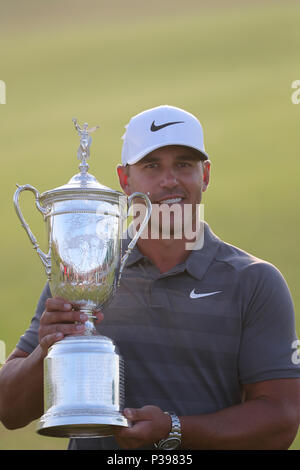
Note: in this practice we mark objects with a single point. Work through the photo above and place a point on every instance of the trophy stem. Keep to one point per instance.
(84, 167)
(89, 327)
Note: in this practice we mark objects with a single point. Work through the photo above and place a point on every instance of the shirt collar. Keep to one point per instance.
(197, 262)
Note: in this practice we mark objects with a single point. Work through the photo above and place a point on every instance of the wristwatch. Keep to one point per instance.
(173, 440)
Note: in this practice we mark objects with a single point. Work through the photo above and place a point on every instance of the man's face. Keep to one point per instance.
(169, 175)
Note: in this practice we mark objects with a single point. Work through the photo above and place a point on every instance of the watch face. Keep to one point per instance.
(170, 443)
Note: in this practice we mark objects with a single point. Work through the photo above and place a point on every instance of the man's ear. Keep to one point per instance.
(206, 174)
(123, 178)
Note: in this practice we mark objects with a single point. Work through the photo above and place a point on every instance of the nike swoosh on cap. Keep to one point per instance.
(155, 128)
(193, 295)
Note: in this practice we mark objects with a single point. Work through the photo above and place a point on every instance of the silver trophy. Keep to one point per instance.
(83, 374)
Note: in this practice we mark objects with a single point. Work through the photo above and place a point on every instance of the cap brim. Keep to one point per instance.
(145, 152)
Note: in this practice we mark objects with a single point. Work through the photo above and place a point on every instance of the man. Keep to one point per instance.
(206, 333)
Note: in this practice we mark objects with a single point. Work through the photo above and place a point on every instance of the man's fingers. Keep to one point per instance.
(150, 424)
(63, 317)
(48, 340)
(99, 316)
(57, 303)
(131, 414)
(65, 328)
(138, 414)
(60, 305)
(71, 316)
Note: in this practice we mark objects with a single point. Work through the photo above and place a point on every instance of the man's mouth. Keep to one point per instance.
(170, 200)
(176, 200)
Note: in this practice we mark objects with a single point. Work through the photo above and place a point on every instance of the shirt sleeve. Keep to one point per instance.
(29, 341)
(268, 326)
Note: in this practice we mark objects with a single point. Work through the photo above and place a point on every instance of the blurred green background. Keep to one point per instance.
(231, 63)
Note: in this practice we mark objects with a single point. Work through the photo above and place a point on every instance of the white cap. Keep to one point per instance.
(158, 127)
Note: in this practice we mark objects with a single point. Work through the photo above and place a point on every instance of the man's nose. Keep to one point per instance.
(169, 179)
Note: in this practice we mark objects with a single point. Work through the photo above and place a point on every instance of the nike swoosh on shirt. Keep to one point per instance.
(193, 295)
(155, 128)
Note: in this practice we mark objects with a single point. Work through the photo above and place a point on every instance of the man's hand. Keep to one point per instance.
(61, 318)
(149, 425)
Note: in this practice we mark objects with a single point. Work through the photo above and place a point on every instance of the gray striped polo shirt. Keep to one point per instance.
(191, 337)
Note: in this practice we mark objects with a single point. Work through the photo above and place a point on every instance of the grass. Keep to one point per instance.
(231, 66)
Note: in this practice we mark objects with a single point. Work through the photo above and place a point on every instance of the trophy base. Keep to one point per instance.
(80, 426)
(83, 388)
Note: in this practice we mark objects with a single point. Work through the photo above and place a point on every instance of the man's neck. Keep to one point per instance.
(164, 254)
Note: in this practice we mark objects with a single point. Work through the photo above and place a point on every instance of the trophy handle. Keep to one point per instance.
(139, 232)
(44, 258)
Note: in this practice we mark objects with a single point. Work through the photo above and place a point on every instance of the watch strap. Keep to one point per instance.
(173, 440)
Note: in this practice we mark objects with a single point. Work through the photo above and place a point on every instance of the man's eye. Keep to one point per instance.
(151, 165)
(184, 164)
